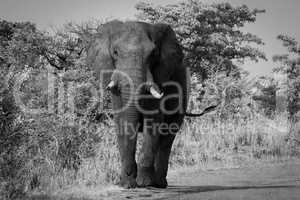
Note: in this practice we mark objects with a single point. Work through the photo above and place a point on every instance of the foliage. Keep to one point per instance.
(210, 34)
(23, 45)
(233, 96)
(42, 145)
(59, 146)
(289, 65)
(265, 95)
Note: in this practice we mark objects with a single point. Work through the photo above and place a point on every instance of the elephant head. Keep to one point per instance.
(141, 58)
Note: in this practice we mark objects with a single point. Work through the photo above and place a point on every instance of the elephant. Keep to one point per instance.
(149, 85)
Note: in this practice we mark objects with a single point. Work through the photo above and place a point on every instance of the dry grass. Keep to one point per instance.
(232, 142)
(200, 143)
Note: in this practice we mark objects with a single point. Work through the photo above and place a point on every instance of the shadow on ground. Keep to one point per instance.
(198, 189)
(172, 191)
(154, 193)
(274, 181)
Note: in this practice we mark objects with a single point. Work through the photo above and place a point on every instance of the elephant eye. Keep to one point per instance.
(116, 53)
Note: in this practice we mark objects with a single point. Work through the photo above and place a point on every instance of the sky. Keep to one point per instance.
(282, 16)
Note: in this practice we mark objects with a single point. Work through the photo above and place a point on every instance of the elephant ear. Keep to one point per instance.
(167, 55)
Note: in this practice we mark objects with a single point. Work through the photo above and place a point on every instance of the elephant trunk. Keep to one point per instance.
(127, 83)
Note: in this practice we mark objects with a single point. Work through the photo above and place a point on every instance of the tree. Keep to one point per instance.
(289, 65)
(36, 145)
(21, 44)
(210, 34)
(266, 95)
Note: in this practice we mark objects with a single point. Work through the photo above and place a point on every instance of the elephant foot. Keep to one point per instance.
(128, 183)
(145, 177)
(128, 177)
(161, 182)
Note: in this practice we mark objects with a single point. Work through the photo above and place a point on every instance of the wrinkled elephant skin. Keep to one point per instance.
(146, 65)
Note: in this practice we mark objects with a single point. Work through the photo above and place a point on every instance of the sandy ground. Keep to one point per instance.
(259, 181)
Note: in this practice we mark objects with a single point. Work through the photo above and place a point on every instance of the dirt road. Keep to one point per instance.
(258, 182)
(273, 181)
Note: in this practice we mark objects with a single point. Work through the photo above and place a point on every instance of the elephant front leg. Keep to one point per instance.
(127, 138)
(126, 124)
(127, 148)
(162, 160)
(164, 149)
(146, 171)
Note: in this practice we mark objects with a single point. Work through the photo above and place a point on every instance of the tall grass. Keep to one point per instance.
(232, 141)
(46, 153)
(200, 142)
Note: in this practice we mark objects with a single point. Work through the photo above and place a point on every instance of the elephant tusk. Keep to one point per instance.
(155, 93)
(111, 85)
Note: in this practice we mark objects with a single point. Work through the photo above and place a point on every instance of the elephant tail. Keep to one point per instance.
(205, 111)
